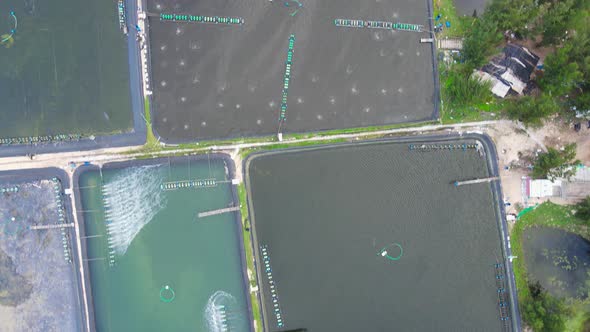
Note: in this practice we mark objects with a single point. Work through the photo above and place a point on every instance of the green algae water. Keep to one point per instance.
(158, 266)
(64, 70)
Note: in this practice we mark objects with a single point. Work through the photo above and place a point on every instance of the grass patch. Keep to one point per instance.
(480, 112)
(465, 98)
(298, 144)
(580, 319)
(205, 144)
(556, 216)
(257, 317)
(448, 12)
(358, 130)
(151, 144)
(151, 139)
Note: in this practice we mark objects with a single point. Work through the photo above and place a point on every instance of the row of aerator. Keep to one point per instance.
(9, 190)
(61, 213)
(344, 22)
(40, 139)
(288, 63)
(440, 147)
(273, 292)
(201, 19)
(502, 294)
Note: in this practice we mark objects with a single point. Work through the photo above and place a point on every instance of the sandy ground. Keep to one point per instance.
(514, 141)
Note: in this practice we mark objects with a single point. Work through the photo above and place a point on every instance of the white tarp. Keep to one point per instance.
(542, 188)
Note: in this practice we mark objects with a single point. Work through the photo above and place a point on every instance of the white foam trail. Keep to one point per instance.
(216, 311)
(131, 199)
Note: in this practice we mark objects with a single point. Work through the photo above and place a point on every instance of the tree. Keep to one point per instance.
(580, 54)
(543, 312)
(480, 41)
(513, 15)
(555, 21)
(532, 110)
(583, 209)
(555, 164)
(562, 74)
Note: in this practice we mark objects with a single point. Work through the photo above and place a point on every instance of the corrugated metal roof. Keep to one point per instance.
(499, 88)
(513, 70)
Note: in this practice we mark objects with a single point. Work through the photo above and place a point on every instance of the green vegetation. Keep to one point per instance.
(248, 249)
(579, 319)
(583, 209)
(464, 97)
(556, 164)
(151, 140)
(204, 144)
(462, 89)
(565, 82)
(516, 16)
(542, 311)
(562, 75)
(557, 17)
(480, 42)
(448, 12)
(357, 130)
(532, 110)
(575, 313)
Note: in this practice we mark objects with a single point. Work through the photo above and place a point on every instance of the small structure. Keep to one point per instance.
(542, 188)
(449, 44)
(574, 188)
(511, 72)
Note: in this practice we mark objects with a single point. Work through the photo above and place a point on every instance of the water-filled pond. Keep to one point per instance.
(222, 80)
(375, 236)
(159, 267)
(559, 260)
(64, 69)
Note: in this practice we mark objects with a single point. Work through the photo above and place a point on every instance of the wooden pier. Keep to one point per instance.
(220, 211)
(40, 227)
(475, 181)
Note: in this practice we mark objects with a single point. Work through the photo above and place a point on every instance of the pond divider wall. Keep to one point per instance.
(39, 174)
(491, 163)
(173, 160)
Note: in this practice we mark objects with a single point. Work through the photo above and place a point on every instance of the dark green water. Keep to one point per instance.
(198, 258)
(67, 70)
(559, 260)
(325, 216)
